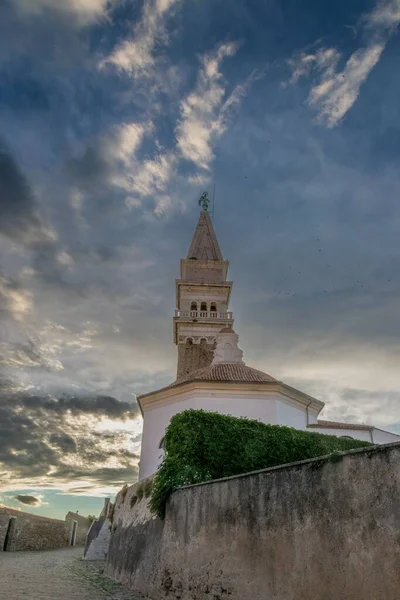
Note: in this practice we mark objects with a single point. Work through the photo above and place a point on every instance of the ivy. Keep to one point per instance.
(201, 446)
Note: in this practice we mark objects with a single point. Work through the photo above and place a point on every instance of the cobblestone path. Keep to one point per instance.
(56, 575)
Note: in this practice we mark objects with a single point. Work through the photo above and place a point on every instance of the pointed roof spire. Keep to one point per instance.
(204, 244)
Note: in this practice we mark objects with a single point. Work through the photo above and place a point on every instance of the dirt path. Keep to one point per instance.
(56, 575)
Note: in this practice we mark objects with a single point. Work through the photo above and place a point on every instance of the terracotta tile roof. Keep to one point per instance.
(338, 425)
(227, 372)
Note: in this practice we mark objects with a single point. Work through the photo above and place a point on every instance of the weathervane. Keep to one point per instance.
(204, 201)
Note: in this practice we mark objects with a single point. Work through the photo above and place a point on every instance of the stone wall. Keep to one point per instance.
(134, 555)
(4, 520)
(320, 529)
(32, 532)
(194, 356)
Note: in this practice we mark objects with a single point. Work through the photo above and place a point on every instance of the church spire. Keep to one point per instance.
(202, 297)
(204, 244)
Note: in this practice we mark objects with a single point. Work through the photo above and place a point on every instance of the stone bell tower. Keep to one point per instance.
(202, 298)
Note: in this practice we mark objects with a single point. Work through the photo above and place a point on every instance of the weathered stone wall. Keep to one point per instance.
(134, 554)
(320, 530)
(32, 532)
(83, 526)
(4, 519)
(194, 356)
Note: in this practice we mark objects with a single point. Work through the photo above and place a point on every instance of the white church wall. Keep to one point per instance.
(312, 416)
(254, 405)
(357, 434)
(376, 436)
(384, 437)
(290, 415)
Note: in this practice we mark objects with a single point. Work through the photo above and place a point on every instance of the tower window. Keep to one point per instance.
(228, 352)
(203, 307)
(213, 307)
(189, 341)
(193, 306)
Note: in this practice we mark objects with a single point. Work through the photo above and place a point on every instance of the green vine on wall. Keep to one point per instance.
(201, 446)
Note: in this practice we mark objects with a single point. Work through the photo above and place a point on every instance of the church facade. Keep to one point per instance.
(211, 373)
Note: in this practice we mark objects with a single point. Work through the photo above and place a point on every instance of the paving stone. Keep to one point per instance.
(56, 575)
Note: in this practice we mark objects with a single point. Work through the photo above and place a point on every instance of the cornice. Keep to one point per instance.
(169, 396)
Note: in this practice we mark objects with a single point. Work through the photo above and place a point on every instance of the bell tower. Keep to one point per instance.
(202, 297)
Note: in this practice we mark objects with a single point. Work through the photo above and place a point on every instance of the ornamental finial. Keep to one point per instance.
(204, 201)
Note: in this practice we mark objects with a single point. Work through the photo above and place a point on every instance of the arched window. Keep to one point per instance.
(193, 306)
(228, 352)
(189, 341)
(203, 307)
(213, 307)
(203, 341)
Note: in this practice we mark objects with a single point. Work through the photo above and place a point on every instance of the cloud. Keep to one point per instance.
(126, 141)
(325, 59)
(386, 14)
(354, 404)
(203, 118)
(204, 112)
(136, 56)
(139, 177)
(85, 10)
(13, 299)
(337, 90)
(61, 442)
(28, 500)
(20, 218)
(152, 176)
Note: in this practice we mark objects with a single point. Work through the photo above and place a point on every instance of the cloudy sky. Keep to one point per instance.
(114, 117)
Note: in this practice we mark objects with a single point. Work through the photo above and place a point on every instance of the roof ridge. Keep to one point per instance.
(341, 425)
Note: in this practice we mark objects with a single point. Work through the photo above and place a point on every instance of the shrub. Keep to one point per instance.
(144, 488)
(124, 491)
(200, 446)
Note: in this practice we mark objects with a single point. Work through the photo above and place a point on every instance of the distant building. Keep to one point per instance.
(24, 531)
(76, 527)
(211, 374)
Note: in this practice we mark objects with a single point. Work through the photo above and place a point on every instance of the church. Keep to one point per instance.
(211, 373)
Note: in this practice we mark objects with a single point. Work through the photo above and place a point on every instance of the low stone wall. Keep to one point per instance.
(31, 532)
(320, 529)
(4, 520)
(135, 546)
